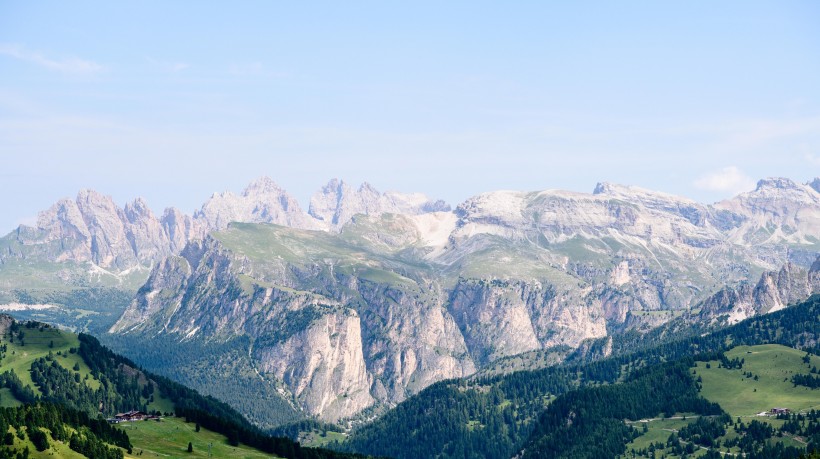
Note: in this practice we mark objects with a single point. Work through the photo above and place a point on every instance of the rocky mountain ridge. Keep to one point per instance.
(92, 231)
(368, 297)
(393, 303)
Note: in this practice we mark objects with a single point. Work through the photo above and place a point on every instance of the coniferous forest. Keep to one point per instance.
(501, 416)
(69, 410)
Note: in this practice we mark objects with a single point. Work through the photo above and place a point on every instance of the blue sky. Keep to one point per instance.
(175, 102)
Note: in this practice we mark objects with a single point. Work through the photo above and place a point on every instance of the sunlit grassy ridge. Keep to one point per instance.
(741, 396)
(773, 365)
(274, 246)
(169, 438)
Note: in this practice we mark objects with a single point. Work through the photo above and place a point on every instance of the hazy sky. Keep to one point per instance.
(173, 101)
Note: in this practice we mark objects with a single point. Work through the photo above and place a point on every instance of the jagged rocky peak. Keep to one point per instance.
(137, 209)
(107, 244)
(144, 232)
(63, 220)
(263, 185)
(774, 291)
(781, 189)
(92, 228)
(693, 211)
(781, 183)
(815, 184)
(337, 202)
(180, 228)
(263, 201)
(777, 210)
(631, 192)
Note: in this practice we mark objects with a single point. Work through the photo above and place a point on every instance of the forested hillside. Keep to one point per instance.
(68, 384)
(495, 417)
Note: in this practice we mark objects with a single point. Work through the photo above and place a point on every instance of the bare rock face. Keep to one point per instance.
(323, 366)
(92, 229)
(180, 228)
(337, 202)
(815, 184)
(5, 323)
(62, 224)
(144, 232)
(774, 291)
(814, 273)
(263, 201)
(411, 339)
(494, 318)
(777, 211)
(165, 286)
(106, 225)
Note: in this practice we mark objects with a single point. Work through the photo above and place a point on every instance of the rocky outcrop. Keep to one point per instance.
(777, 211)
(411, 341)
(323, 366)
(815, 184)
(5, 323)
(93, 229)
(263, 201)
(337, 339)
(164, 287)
(774, 291)
(501, 318)
(144, 233)
(180, 228)
(337, 202)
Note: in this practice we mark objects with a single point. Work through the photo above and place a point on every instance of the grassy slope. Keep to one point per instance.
(169, 439)
(271, 245)
(56, 450)
(37, 344)
(772, 364)
(736, 394)
(658, 430)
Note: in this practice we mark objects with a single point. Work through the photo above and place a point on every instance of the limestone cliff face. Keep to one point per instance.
(164, 288)
(144, 232)
(774, 291)
(180, 229)
(411, 341)
(500, 318)
(323, 365)
(355, 337)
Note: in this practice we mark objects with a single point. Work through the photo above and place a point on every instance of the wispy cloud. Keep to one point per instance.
(813, 159)
(729, 179)
(69, 65)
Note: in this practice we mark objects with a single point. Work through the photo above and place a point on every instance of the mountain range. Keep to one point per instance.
(369, 297)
